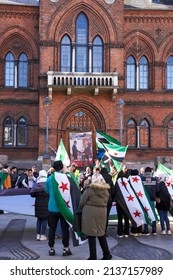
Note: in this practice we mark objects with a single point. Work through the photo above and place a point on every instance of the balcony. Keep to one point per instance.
(92, 82)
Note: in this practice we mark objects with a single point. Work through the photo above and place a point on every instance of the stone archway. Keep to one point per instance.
(80, 117)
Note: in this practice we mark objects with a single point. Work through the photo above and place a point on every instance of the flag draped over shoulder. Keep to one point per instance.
(67, 196)
(129, 203)
(143, 197)
(62, 154)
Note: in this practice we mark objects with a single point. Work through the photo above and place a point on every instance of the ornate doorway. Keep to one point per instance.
(81, 119)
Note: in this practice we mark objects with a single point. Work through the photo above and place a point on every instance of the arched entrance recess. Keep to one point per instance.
(77, 118)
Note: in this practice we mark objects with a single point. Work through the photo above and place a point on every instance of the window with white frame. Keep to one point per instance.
(15, 134)
(137, 73)
(16, 72)
(81, 55)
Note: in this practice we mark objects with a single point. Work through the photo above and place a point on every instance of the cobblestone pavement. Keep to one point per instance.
(18, 242)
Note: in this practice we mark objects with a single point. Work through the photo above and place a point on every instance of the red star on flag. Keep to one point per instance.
(63, 186)
(137, 214)
(135, 179)
(146, 209)
(123, 184)
(130, 198)
(139, 194)
(168, 184)
(67, 203)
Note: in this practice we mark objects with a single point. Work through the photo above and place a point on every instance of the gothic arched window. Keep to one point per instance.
(131, 133)
(21, 132)
(8, 138)
(170, 134)
(144, 134)
(97, 59)
(9, 70)
(23, 70)
(169, 73)
(66, 54)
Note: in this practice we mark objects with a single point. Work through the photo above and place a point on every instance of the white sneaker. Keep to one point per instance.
(163, 232)
(38, 237)
(169, 232)
(43, 237)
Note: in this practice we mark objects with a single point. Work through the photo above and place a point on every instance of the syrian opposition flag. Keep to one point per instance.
(102, 138)
(129, 203)
(62, 154)
(142, 195)
(67, 197)
(161, 169)
(116, 152)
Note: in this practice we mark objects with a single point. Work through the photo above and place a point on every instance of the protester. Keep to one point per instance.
(108, 179)
(64, 198)
(123, 220)
(163, 205)
(41, 205)
(22, 181)
(94, 215)
(13, 176)
(150, 184)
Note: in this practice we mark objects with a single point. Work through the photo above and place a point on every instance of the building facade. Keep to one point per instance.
(85, 56)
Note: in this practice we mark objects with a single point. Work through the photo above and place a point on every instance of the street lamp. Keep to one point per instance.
(46, 104)
(119, 106)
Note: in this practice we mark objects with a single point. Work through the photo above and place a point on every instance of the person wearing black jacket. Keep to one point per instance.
(163, 205)
(151, 186)
(108, 180)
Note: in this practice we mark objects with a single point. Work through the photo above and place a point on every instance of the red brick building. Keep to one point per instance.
(86, 55)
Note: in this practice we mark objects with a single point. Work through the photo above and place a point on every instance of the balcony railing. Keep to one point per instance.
(96, 81)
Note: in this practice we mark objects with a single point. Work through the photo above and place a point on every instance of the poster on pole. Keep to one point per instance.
(81, 152)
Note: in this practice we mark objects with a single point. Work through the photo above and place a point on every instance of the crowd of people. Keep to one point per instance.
(62, 192)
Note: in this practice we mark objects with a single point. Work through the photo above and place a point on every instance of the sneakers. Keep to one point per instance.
(43, 237)
(66, 252)
(134, 234)
(145, 233)
(120, 236)
(51, 252)
(154, 233)
(169, 232)
(163, 232)
(38, 237)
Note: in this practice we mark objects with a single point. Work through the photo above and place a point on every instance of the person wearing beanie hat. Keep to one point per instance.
(41, 205)
(64, 198)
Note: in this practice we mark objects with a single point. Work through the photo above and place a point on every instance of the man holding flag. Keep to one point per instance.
(64, 199)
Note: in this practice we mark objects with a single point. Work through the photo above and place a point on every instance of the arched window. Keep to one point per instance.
(169, 73)
(66, 54)
(97, 59)
(8, 132)
(9, 70)
(130, 73)
(131, 133)
(137, 73)
(170, 134)
(23, 71)
(143, 73)
(82, 43)
(144, 134)
(21, 132)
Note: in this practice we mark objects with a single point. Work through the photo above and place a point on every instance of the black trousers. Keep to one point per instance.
(122, 228)
(92, 246)
(53, 219)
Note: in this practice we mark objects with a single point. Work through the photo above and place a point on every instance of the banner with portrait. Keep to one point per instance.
(81, 151)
